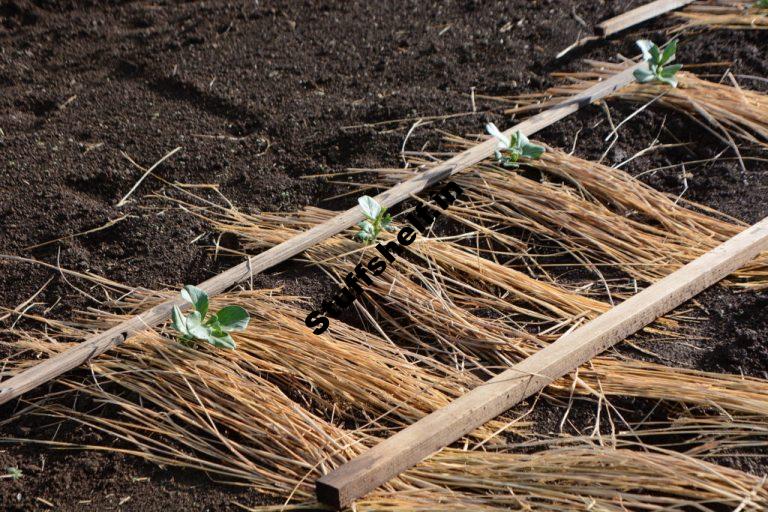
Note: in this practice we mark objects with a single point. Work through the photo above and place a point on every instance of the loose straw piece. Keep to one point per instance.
(101, 342)
(107, 225)
(143, 176)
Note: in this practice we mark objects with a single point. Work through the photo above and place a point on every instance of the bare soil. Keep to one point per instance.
(259, 95)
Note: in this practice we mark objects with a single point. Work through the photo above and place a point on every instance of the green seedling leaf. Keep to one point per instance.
(669, 80)
(655, 53)
(519, 140)
(656, 61)
(376, 219)
(212, 323)
(197, 297)
(645, 47)
(370, 207)
(533, 151)
(511, 149)
(761, 4)
(221, 340)
(179, 322)
(644, 75)
(214, 329)
(669, 52)
(13, 473)
(195, 326)
(510, 161)
(670, 71)
(366, 231)
(386, 223)
(233, 318)
(504, 141)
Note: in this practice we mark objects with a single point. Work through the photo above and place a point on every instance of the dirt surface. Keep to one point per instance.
(259, 95)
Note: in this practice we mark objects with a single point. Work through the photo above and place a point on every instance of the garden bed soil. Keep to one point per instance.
(260, 95)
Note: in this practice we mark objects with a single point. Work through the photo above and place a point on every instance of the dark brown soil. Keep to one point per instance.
(258, 95)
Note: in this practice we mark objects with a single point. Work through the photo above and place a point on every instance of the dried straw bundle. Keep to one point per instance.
(600, 215)
(599, 478)
(427, 305)
(721, 14)
(351, 375)
(708, 435)
(219, 413)
(444, 277)
(240, 427)
(229, 418)
(228, 411)
(727, 111)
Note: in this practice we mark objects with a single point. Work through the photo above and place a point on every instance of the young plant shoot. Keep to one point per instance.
(761, 4)
(13, 473)
(215, 328)
(376, 219)
(657, 61)
(510, 150)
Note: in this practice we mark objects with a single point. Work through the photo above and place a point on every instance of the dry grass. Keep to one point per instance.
(275, 414)
(600, 478)
(477, 313)
(600, 215)
(728, 111)
(709, 435)
(721, 15)
(352, 375)
(228, 411)
(222, 416)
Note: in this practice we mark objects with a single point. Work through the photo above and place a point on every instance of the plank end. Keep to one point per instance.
(601, 30)
(328, 494)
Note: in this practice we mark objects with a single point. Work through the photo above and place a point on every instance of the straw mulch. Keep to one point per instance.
(245, 419)
(288, 406)
(479, 312)
(721, 15)
(601, 216)
(728, 110)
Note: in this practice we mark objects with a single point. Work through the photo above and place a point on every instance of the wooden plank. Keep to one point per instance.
(101, 342)
(437, 430)
(638, 15)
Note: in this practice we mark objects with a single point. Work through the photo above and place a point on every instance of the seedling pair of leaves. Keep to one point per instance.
(215, 328)
(376, 219)
(657, 61)
(13, 473)
(511, 149)
(509, 152)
